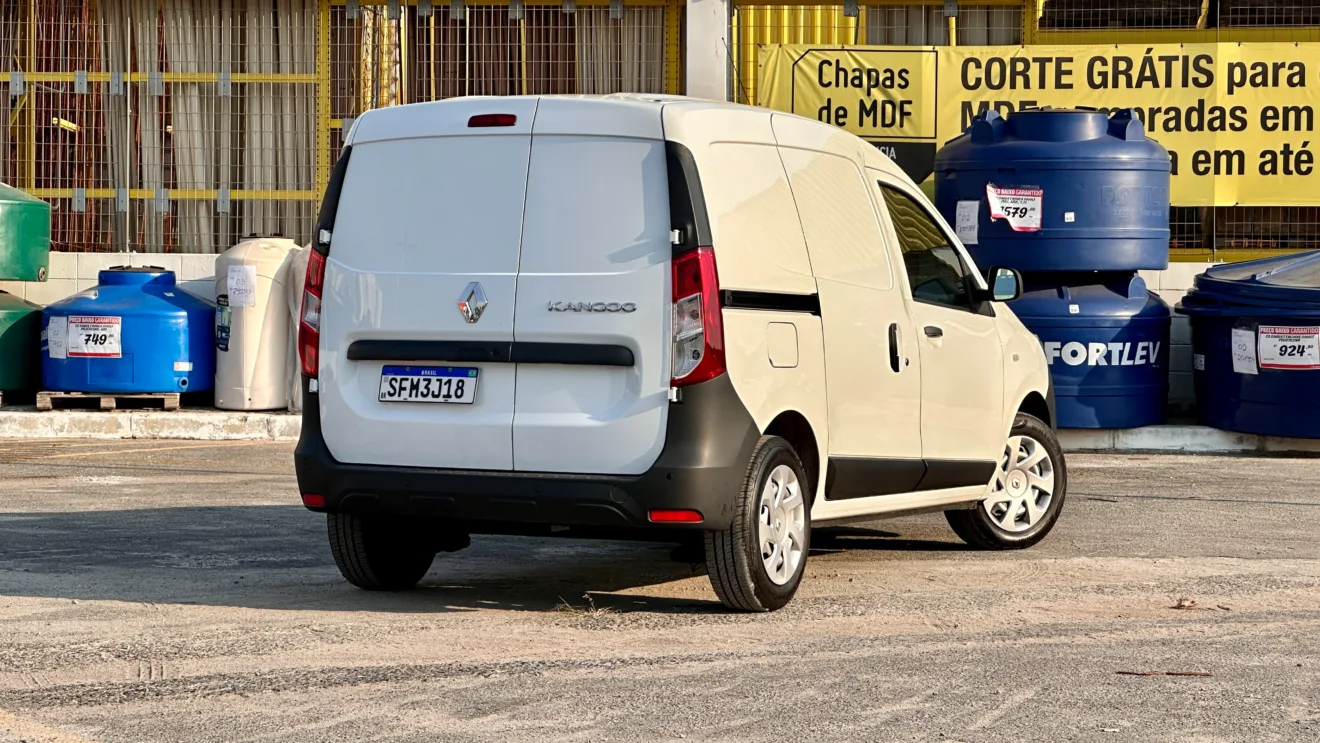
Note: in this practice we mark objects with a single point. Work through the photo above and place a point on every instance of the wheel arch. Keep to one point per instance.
(1037, 405)
(794, 428)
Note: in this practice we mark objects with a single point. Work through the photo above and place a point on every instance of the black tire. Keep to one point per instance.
(378, 553)
(733, 556)
(978, 528)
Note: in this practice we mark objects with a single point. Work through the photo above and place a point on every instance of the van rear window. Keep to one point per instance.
(441, 204)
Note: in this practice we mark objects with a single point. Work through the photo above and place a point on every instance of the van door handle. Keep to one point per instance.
(934, 332)
(894, 361)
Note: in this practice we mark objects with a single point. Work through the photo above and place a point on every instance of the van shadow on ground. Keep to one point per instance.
(277, 557)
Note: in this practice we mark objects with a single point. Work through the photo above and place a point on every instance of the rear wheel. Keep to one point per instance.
(379, 553)
(757, 563)
(1026, 495)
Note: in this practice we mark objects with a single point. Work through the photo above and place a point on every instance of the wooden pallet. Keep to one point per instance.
(46, 400)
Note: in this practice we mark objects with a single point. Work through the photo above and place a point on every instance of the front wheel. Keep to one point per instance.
(1025, 496)
(757, 563)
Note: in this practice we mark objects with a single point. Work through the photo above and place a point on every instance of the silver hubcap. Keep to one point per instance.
(781, 524)
(1023, 487)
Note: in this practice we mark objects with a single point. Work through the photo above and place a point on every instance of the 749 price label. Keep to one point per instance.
(94, 337)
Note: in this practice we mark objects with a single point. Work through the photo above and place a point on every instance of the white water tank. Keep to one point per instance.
(253, 338)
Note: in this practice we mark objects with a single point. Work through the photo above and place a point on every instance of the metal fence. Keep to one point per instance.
(1138, 21)
(183, 125)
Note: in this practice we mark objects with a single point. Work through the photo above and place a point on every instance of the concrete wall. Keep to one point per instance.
(71, 273)
(1172, 284)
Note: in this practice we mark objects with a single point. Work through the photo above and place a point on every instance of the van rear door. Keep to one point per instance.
(594, 287)
(429, 219)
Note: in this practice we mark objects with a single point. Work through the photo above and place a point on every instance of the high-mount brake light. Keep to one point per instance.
(487, 120)
(309, 323)
(698, 335)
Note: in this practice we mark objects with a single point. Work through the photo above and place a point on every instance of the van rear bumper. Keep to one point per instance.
(708, 445)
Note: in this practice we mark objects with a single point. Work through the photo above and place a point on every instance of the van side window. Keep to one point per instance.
(935, 271)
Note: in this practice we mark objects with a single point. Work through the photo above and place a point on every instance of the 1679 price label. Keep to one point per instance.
(1020, 207)
(1288, 347)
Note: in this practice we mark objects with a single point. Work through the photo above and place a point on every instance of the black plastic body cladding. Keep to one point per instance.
(709, 441)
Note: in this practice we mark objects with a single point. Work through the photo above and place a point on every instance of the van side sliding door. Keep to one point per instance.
(871, 371)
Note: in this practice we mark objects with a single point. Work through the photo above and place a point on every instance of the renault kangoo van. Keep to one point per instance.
(653, 318)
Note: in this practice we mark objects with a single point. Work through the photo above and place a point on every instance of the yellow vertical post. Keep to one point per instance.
(522, 52)
(323, 95)
(30, 93)
(953, 30)
(430, 61)
(674, 47)
(404, 42)
(1031, 10)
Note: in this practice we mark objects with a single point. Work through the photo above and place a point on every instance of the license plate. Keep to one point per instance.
(451, 384)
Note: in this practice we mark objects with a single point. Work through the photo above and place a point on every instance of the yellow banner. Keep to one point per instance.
(1238, 119)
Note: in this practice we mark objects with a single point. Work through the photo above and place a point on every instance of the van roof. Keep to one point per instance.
(631, 114)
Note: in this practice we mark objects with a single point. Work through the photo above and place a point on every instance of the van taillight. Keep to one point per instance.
(698, 342)
(309, 325)
(483, 120)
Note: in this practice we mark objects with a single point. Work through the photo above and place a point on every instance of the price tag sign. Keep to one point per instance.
(242, 286)
(94, 337)
(57, 337)
(1244, 351)
(966, 225)
(1286, 347)
(1021, 207)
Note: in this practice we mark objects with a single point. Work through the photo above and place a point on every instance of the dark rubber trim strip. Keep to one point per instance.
(942, 474)
(687, 202)
(387, 350)
(770, 301)
(330, 202)
(859, 477)
(582, 354)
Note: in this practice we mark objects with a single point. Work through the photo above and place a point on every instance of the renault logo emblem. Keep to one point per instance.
(472, 302)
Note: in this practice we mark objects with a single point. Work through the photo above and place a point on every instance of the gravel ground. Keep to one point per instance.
(173, 591)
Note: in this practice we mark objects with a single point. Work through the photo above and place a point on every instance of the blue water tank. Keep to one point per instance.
(135, 332)
(1106, 339)
(1077, 191)
(1256, 345)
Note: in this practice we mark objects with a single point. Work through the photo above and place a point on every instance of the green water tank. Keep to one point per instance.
(24, 236)
(20, 343)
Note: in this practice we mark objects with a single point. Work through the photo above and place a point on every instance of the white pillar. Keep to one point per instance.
(708, 49)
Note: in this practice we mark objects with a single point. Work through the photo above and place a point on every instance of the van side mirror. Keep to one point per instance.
(1005, 284)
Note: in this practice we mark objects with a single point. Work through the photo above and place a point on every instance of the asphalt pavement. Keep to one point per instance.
(176, 591)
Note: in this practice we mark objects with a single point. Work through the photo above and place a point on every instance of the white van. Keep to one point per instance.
(653, 318)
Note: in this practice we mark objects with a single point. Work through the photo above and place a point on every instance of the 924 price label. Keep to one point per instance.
(1288, 347)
